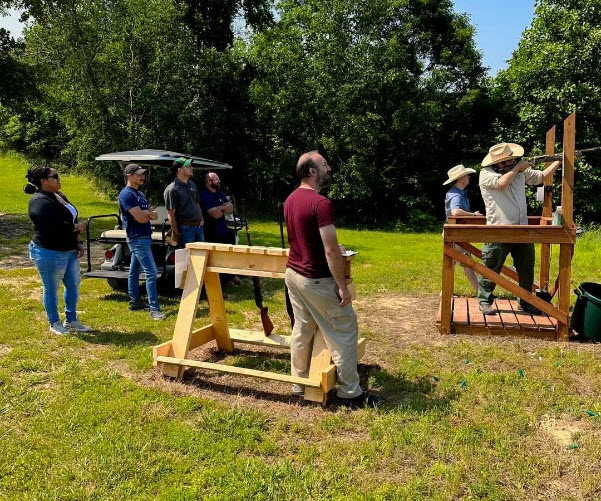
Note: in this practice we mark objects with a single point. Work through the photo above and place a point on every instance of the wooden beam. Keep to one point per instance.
(229, 369)
(509, 234)
(250, 273)
(217, 311)
(328, 379)
(481, 220)
(259, 338)
(565, 271)
(320, 361)
(545, 248)
(159, 350)
(548, 308)
(448, 285)
(567, 185)
(361, 348)
(201, 336)
(510, 272)
(187, 311)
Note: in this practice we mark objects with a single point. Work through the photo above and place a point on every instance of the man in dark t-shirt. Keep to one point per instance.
(317, 285)
(136, 214)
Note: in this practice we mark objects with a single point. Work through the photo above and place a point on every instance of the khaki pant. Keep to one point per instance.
(316, 305)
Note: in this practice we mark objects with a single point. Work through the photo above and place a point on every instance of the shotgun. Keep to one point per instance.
(286, 293)
(559, 156)
(265, 320)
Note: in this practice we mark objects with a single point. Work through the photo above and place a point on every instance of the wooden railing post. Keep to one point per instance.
(448, 286)
(545, 248)
(566, 251)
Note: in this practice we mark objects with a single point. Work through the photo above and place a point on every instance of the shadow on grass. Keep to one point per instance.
(394, 390)
(117, 338)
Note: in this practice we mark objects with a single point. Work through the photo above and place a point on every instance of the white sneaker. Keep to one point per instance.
(157, 315)
(58, 328)
(76, 325)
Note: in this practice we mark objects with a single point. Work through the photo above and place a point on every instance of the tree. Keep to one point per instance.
(389, 90)
(554, 71)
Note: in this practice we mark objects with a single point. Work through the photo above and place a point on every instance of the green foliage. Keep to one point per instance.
(554, 71)
(389, 90)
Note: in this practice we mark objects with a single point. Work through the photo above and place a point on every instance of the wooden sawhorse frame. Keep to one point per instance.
(458, 315)
(207, 260)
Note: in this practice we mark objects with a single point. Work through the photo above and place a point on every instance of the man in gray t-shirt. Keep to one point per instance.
(503, 183)
(183, 204)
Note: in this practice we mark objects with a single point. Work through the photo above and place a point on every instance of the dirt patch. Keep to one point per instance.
(14, 228)
(563, 431)
(5, 350)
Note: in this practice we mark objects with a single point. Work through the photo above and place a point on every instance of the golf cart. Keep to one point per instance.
(115, 268)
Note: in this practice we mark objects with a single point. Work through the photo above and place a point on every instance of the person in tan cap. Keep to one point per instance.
(503, 183)
(457, 204)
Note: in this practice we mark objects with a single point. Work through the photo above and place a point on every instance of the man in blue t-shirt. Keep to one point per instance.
(456, 203)
(136, 214)
(215, 205)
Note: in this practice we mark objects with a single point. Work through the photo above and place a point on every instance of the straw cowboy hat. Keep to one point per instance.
(457, 172)
(501, 152)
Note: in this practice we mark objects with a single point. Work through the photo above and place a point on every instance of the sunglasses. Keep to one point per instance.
(55, 176)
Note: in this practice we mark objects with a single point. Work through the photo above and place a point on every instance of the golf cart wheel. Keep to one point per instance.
(118, 284)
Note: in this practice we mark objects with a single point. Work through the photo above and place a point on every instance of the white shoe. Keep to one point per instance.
(76, 325)
(58, 328)
(157, 315)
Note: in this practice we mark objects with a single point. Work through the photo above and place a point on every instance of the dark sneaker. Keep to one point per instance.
(361, 402)
(138, 306)
(528, 308)
(487, 309)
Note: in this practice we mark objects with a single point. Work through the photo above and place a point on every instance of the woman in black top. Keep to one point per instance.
(56, 246)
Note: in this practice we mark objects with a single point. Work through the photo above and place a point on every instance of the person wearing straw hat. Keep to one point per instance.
(457, 204)
(503, 181)
(182, 201)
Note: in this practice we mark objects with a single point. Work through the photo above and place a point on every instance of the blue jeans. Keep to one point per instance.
(191, 234)
(141, 256)
(54, 266)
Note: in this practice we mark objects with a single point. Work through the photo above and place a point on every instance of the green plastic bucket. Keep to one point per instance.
(586, 317)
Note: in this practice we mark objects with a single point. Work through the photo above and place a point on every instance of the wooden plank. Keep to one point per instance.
(159, 350)
(565, 276)
(543, 323)
(508, 317)
(494, 323)
(545, 249)
(217, 311)
(249, 262)
(506, 270)
(534, 220)
(525, 320)
(187, 310)
(229, 369)
(201, 336)
(567, 185)
(361, 344)
(506, 284)
(328, 379)
(475, 315)
(250, 273)
(448, 284)
(508, 234)
(460, 316)
(259, 338)
(320, 361)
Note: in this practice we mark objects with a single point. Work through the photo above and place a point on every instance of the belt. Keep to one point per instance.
(190, 223)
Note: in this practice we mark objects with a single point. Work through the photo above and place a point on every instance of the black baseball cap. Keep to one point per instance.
(133, 169)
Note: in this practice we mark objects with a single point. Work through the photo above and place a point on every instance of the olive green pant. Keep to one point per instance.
(494, 255)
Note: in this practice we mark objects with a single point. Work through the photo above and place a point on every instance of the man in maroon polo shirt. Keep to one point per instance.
(316, 283)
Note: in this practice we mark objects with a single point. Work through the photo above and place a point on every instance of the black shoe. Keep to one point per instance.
(139, 306)
(361, 402)
(487, 309)
(528, 308)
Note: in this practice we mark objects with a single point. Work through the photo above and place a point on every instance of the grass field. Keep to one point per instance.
(88, 417)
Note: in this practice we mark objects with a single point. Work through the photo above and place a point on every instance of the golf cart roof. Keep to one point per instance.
(149, 158)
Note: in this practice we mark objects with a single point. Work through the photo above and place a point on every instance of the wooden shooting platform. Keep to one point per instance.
(462, 314)
(207, 260)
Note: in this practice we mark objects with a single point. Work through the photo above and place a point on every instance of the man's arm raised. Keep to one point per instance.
(335, 261)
